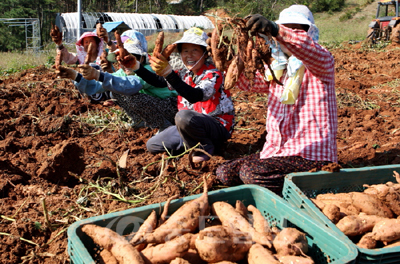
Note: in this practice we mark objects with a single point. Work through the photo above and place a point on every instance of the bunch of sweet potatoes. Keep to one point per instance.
(368, 218)
(237, 234)
(243, 53)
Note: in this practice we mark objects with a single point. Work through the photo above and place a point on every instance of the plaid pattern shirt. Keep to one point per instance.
(307, 128)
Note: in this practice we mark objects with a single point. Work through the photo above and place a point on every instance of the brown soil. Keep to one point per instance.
(46, 153)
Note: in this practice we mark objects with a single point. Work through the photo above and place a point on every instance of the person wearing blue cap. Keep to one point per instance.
(206, 112)
(302, 113)
(146, 105)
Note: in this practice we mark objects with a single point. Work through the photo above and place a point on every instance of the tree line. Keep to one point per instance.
(13, 38)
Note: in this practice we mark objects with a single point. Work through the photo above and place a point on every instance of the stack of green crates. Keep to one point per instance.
(300, 187)
(324, 246)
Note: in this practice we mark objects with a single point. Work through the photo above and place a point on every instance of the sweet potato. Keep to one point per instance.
(147, 227)
(179, 261)
(159, 44)
(168, 50)
(295, 259)
(380, 190)
(55, 34)
(364, 202)
(370, 204)
(165, 252)
(113, 242)
(229, 217)
(241, 209)
(386, 230)
(354, 225)
(99, 26)
(318, 203)
(336, 197)
(193, 256)
(217, 52)
(290, 241)
(218, 243)
(332, 212)
(89, 54)
(122, 51)
(58, 60)
(101, 32)
(107, 258)
(117, 36)
(260, 255)
(367, 241)
(260, 224)
(164, 214)
(393, 244)
(233, 72)
(387, 193)
(184, 220)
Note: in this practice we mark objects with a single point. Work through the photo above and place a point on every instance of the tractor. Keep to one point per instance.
(386, 25)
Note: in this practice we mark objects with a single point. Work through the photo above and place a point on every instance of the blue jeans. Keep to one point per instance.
(191, 128)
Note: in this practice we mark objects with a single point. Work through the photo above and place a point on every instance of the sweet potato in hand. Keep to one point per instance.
(159, 44)
(104, 63)
(89, 53)
(168, 50)
(55, 34)
(58, 60)
(101, 32)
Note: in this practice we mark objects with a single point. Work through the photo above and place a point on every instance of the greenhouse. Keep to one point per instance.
(148, 24)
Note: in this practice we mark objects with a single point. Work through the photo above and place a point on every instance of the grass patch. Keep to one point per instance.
(13, 62)
(349, 24)
(106, 119)
(350, 99)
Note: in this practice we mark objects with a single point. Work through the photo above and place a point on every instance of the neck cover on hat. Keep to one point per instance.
(295, 14)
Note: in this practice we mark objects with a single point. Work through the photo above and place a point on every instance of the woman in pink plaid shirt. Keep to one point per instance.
(302, 113)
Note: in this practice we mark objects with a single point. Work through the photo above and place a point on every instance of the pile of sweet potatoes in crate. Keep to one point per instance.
(233, 234)
(371, 218)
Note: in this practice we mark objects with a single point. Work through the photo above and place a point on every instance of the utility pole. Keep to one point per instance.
(78, 31)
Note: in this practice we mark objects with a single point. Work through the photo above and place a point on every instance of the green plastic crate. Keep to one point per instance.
(324, 247)
(299, 187)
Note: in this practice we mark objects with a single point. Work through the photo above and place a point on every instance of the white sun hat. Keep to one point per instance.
(296, 14)
(194, 35)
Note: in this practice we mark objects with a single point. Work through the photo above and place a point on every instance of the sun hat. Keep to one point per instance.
(296, 14)
(194, 35)
(85, 35)
(135, 42)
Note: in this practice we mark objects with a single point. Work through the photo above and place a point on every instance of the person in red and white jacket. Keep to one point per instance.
(205, 109)
(302, 113)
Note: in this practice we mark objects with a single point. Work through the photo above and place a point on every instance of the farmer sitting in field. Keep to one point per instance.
(302, 114)
(82, 46)
(206, 112)
(156, 107)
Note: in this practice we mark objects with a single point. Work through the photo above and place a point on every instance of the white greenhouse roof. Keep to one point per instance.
(148, 24)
